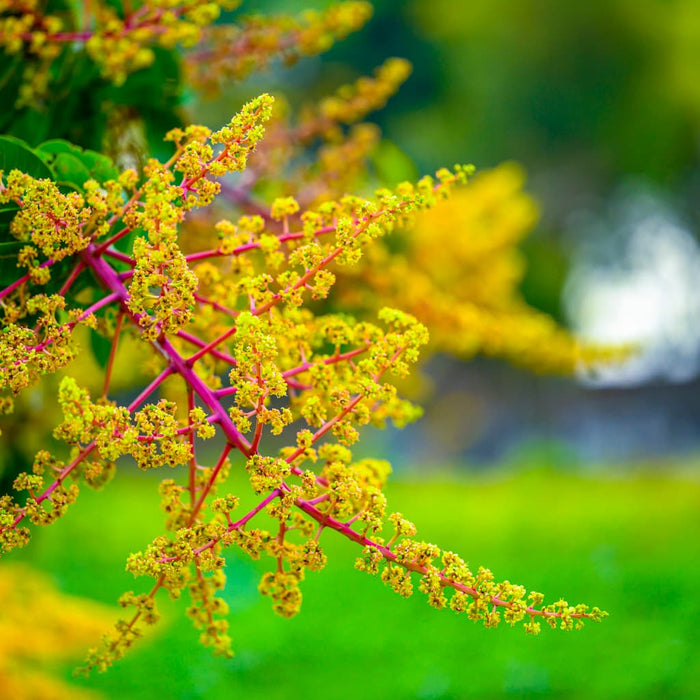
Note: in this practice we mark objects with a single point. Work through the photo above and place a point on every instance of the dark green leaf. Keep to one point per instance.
(7, 213)
(70, 170)
(156, 94)
(9, 272)
(74, 165)
(9, 247)
(55, 146)
(15, 154)
(101, 167)
(10, 82)
(101, 348)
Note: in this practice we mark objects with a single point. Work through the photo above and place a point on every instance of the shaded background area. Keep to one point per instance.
(600, 103)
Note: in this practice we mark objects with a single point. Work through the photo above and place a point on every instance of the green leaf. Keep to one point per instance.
(73, 165)
(101, 347)
(100, 166)
(70, 170)
(16, 154)
(53, 147)
(7, 213)
(9, 247)
(9, 272)
(10, 82)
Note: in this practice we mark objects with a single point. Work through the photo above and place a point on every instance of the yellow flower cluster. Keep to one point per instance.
(152, 435)
(162, 288)
(229, 52)
(458, 270)
(118, 44)
(477, 595)
(121, 45)
(340, 163)
(121, 42)
(53, 222)
(29, 350)
(241, 325)
(355, 101)
(24, 29)
(161, 292)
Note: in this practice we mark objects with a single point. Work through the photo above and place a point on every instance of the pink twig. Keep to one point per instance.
(77, 269)
(123, 257)
(200, 343)
(340, 357)
(233, 526)
(22, 280)
(150, 388)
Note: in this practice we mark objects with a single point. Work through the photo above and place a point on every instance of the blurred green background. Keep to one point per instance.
(627, 542)
(585, 492)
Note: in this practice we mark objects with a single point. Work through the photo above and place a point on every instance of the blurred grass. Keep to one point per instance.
(628, 544)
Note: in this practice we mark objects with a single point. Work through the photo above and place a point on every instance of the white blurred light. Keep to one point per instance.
(635, 280)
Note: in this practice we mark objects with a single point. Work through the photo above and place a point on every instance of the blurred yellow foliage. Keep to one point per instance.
(39, 626)
(458, 271)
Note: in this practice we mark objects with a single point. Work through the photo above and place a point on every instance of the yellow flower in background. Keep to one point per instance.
(40, 627)
(458, 270)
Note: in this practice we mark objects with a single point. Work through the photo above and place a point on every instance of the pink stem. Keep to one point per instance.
(216, 305)
(233, 526)
(91, 309)
(79, 267)
(347, 531)
(120, 256)
(200, 343)
(109, 278)
(212, 479)
(210, 346)
(102, 247)
(150, 388)
(22, 280)
(328, 361)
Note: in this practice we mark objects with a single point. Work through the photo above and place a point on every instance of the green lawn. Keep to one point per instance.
(629, 545)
